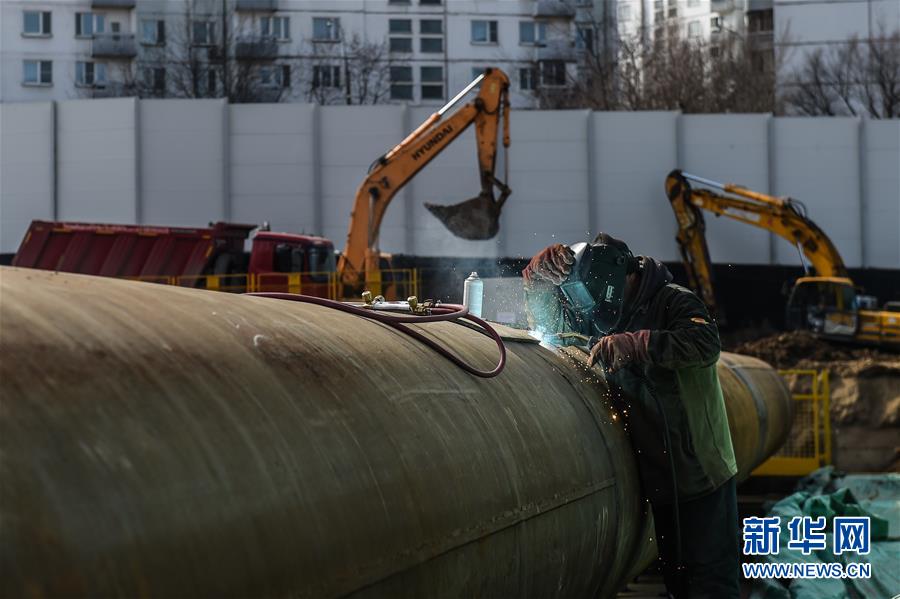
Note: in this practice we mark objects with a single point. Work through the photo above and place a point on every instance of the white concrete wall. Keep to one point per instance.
(881, 185)
(26, 169)
(731, 149)
(96, 159)
(817, 162)
(573, 173)
(633, 153)
(182, 149)
(272, 174)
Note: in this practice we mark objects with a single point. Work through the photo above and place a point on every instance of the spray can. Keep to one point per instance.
(473, 293)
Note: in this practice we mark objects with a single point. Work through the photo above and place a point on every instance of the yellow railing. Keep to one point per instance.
(394, 283)
(809, 445)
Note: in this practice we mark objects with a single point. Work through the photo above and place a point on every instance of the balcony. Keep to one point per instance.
(257, 5)
(260, 48)
(554, 9)
(557, 50)
(122, 4)
(759, 5)
(113, 90)
(721, 6)
(762, 39)
(113, 45)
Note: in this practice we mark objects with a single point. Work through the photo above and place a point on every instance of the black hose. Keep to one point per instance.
(651, 389)
(442, 313)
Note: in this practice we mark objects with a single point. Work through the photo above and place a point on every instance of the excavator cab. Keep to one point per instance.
(825, 306)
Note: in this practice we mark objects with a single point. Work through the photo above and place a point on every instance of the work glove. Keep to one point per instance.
(552, 264)
(621, 350)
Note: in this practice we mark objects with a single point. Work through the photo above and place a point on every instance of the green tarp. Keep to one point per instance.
(826, 493)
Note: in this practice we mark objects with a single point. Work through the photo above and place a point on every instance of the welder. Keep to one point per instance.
(658, 347)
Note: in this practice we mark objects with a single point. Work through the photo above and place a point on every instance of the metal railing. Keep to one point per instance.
(254, 48)
(553, 8)
(113, 45)
(256, 5)
(809, 445)
(113, 3)
(393, 284)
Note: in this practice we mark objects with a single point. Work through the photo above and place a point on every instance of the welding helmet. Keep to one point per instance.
(595, 287)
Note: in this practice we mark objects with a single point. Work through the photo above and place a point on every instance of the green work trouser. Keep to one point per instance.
(710, 545)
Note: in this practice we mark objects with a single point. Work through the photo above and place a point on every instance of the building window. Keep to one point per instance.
(673, 10)
(326, 29)
(527, 79)
(88, 23)
(211, 83)
(760, 20)
(37, 23)
(431, 27)
(37, 72)
(89, 74)
(203, 33)
(477, 72)
(532, 32)
(326, 76)
(400, 26)
(624, 13)
(401, 45)
(430, 2)
(715, 23)
(432, 40)
(584, 39)
(553, 73)
(401, 83)
(153, 32)
(432, 83)
(155, 79)
(277, 75)
(484, 32)
(275, 27)
(401, 35)
(431, 45)
(694, 29)
(693, 3)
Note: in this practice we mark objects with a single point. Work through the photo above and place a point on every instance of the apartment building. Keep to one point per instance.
(329, 51)
(804, 26)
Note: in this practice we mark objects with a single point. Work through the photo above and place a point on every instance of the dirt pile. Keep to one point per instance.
(799, 348)
(865, 393)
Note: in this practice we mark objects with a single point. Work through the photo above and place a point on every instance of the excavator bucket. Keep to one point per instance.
(476, 218)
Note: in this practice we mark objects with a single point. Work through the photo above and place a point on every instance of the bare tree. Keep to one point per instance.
(208, 55)
(350, 71)
(734, 73)
(860, 77)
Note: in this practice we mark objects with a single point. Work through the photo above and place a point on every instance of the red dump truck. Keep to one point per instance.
(209, 258)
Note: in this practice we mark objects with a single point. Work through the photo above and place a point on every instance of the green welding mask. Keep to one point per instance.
(595, 287)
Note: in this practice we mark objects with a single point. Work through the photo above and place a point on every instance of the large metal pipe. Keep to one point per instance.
(173, 442)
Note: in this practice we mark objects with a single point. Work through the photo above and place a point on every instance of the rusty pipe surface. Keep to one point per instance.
(160, 441)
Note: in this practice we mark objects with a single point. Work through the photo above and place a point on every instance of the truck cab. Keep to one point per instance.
(292, 263)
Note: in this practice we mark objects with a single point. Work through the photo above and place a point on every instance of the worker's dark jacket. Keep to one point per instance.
(683, 349)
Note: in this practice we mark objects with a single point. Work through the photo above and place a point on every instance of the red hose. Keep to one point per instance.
(442, 313)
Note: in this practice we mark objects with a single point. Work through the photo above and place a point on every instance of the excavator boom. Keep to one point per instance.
(476, 218)
(782, 216)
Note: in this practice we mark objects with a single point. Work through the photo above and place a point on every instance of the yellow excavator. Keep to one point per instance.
(824, 302)
(476, 218)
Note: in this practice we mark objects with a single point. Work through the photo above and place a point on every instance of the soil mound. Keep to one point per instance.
(865, 393)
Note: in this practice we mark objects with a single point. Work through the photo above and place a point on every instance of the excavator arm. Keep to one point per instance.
(784, 217)
(476, 218)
